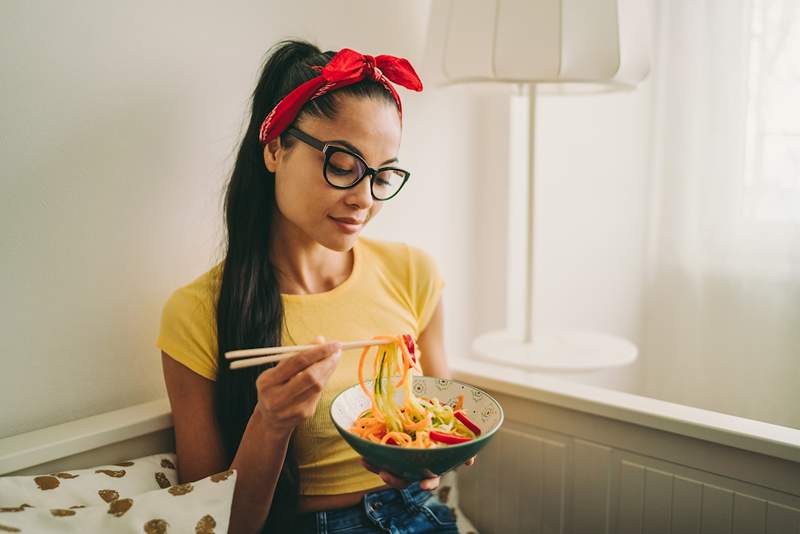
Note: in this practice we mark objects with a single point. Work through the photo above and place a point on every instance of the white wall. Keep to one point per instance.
(118, 128)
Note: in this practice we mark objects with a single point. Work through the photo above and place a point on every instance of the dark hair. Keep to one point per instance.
(249, 310)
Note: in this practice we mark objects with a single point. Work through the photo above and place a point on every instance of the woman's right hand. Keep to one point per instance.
(288, 393)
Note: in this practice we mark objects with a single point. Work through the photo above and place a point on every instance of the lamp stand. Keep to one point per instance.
(517, 345)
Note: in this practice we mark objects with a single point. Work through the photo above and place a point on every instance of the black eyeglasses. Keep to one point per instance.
(344, 169)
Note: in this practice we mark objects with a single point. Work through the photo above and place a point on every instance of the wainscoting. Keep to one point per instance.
(556, 470)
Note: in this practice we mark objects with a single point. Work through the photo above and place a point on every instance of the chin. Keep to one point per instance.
(340, 242)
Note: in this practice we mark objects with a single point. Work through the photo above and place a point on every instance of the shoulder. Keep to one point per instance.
(199, 295)
(189, 312)
(188, 331)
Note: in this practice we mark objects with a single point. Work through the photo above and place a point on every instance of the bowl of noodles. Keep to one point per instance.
(411, 425)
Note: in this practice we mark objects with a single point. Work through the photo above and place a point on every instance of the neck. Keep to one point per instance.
(304, 266)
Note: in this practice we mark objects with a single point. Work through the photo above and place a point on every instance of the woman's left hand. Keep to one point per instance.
(399, 483)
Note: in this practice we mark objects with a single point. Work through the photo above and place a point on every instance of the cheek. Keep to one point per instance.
(285, 195)
(281, 202)
(290, 199)
(376, 208)
(302, 196)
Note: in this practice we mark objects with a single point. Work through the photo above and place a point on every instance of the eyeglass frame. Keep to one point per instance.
(328, 150)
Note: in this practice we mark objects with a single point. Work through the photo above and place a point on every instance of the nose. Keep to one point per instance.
(360, 196)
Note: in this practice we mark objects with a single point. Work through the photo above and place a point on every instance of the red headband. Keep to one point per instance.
(345, 68)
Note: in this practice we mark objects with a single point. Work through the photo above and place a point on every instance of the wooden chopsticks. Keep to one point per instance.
(276, 354)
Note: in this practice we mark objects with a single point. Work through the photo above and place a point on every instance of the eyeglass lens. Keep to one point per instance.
(344, 169)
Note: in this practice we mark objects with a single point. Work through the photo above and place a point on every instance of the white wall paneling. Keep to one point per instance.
(555, 470)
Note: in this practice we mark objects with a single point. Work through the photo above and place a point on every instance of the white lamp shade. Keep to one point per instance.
(578, 44)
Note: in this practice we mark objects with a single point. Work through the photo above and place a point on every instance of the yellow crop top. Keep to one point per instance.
(393, 289)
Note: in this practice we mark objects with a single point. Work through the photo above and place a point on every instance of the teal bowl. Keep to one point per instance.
(416, 464)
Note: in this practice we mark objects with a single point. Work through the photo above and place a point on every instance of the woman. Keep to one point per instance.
(317, 161)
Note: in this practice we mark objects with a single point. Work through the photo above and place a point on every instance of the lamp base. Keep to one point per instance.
(568, 351)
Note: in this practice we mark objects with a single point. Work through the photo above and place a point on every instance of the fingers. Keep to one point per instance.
(387, 477)
(288, 368)
(393, 481)
(301, 392)
(430, 483)
(470, 461)
(313, 378)
(289, 392)
(400, 483)
(369, 467)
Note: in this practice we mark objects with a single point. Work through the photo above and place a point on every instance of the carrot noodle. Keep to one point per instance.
(410, 423)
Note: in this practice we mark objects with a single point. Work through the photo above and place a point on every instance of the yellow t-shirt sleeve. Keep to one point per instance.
(425, 284)
(188, 333)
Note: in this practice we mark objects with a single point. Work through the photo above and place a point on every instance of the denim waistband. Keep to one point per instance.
(378, 505)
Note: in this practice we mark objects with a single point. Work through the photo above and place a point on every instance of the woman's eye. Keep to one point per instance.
(341, 172)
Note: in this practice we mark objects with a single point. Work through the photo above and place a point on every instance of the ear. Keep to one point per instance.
(273, 152)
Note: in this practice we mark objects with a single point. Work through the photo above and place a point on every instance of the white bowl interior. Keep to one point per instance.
(481, 408)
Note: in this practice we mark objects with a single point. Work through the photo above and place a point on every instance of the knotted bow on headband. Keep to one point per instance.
(345, 68)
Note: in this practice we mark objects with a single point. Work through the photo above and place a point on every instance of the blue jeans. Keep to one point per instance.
(407, 511)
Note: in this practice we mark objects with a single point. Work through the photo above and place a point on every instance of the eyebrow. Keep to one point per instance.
(350, 146)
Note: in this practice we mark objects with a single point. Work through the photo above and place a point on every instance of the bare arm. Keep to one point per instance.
(197, 438)
(288, 393)
(200, 450)
(258, 465)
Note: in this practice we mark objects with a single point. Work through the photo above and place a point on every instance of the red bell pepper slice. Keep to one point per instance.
(447, 438)
(409, 341)
(461, 416)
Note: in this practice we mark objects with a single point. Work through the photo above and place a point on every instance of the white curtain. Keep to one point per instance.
(723, 286)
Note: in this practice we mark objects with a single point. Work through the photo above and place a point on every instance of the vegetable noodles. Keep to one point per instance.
(418, 422)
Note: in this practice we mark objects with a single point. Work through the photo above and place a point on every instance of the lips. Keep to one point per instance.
(348, 225)
(347, 220)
